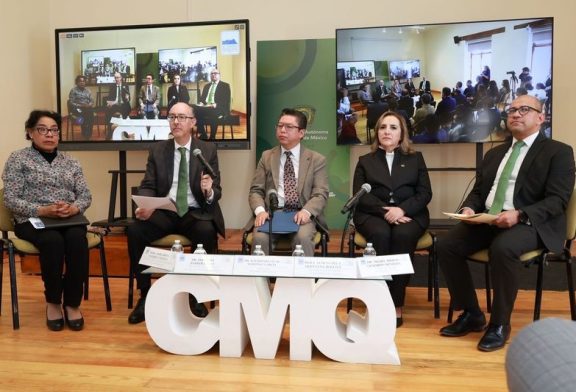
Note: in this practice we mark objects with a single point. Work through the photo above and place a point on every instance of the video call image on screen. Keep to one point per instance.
(451, 82)
(108, 101)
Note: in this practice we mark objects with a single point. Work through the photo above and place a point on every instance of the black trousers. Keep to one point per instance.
(504, 245)
(206, 116)
(58, 247)
(161, 223)
(392, 239)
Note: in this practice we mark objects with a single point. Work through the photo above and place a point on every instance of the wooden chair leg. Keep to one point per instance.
(104, 268)
(538, 299)
(13, 287)
(488, 288)
(571, 288)
(130, 287)
(1, 271)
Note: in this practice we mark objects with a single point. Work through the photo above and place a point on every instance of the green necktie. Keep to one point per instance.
(182, 190)
(500, 194)
(211, 92)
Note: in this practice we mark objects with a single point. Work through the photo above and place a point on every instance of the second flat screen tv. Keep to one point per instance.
(483, 65)
(192, 51)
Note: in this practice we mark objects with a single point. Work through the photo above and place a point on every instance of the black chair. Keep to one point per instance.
(284, 244)
(22, 247)
(373, 113)
(540, 257)
(426, 243)
(229, 121)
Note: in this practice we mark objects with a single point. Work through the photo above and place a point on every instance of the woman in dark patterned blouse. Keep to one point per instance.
(40, 181)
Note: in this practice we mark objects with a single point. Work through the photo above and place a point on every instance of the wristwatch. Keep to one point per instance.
(523, 218)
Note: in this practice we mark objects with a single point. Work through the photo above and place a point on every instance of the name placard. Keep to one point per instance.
(190, 263)
(378, 266)
(159, 258)
(263, 265)
(319, 267)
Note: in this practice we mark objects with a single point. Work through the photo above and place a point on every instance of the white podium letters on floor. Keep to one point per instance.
(247, 311)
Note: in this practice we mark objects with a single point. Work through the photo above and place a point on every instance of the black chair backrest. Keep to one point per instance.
(373, 113)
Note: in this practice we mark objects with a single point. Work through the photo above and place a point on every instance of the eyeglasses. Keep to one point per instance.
(287, 127)
(180, 117)
(522, 110)
(44, 131)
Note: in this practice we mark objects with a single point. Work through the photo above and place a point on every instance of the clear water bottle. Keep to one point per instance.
(258, 251)
(298, 251)
(200, 250)
(177, 247)
(369, 250)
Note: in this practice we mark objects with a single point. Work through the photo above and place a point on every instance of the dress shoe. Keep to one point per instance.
(198, 309)
(76, 324)
(495, 337)
(399, 321)
(54, 325)
(464, 324)
(138, 315)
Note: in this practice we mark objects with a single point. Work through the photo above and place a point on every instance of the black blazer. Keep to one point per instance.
(174, 97)
(409, 186)
(221, 97)
(125, 92)
(544, 185)
(160, 169)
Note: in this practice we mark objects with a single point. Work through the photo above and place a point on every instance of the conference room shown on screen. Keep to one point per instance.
(452, 83)
(116, 85)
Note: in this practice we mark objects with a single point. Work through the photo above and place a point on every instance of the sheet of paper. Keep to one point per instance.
(264, 265)
(319, 267)
(160, 258)
(480, 218)
(190, 263)
(381, 266)
(156, 203)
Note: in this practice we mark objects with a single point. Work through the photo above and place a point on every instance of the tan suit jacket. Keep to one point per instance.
(312, 181)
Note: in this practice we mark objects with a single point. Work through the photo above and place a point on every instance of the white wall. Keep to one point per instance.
(26, 31)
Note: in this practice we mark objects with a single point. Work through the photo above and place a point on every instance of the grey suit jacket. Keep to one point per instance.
(160, 169)
(312, 181)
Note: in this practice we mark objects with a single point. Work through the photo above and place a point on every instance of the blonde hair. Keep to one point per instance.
(405, 144)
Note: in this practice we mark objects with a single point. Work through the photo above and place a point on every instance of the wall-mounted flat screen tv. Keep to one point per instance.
(191, 64)
(482, 65)
(111, 109)
(404, 69)
(99, 66)
(355, 73)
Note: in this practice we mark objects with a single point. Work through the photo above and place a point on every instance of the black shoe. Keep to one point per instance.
(495, 337)
(54, 325)
(137, 315)
(399, 321)
(464, 324)
(74, 325)
(198, 309)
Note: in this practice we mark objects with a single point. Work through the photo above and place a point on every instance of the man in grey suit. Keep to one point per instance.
(200, 218)
(529, 195)
(310, 189)
(149, 98)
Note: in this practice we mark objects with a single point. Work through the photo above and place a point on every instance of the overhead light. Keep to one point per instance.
(384, 30)
(400, 31)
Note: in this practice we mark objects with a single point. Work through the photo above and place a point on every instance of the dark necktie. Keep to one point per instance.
(290, 193)
(182, 190)
(149, 93)
(502, 186)
(118, 94)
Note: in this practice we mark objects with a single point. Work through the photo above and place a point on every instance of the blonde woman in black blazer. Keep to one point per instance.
(394, 215)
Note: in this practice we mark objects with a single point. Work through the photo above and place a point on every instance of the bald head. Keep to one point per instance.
(523, 125)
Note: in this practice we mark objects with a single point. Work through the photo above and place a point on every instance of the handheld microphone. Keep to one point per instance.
(198, 154)
(365, 188)
(272, 200)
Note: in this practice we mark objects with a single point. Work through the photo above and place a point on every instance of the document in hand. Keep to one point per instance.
(155, 203)
(282, 223)
(480, 218)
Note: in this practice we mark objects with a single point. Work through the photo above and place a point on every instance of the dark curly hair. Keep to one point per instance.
(36, 115)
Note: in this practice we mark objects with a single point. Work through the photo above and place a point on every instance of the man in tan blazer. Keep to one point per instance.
(309, 168)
